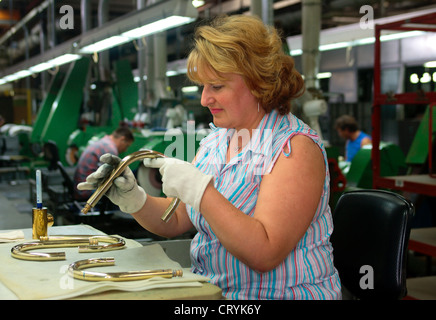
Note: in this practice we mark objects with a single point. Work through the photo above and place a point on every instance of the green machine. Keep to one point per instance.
(59, 117)
(418, 152)
(60, 112)
(359, 172)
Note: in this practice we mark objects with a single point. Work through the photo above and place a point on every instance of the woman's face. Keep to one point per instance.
(231, 102)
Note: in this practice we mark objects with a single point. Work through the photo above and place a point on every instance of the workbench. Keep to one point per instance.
(35, 280)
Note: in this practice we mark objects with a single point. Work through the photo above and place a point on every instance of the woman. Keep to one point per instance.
(258, 189)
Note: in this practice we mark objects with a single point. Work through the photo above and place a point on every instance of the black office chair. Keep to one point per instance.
(370, 239)
(51, 154)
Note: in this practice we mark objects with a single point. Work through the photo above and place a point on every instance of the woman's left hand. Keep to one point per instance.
(181, 179)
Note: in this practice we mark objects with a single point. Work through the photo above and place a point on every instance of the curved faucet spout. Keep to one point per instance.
(76, 271)
(84, 243)
(126, 161)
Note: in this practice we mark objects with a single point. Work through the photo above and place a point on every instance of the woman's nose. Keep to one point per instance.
(206, 98)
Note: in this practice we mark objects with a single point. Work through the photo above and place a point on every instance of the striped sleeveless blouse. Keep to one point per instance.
(308, 271)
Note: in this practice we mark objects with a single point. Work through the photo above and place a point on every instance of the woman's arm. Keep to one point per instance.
(287, 201)
(149, 217)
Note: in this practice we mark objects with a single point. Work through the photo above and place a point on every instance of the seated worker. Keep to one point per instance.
(257, 191)
(348, 129)
(115, 143)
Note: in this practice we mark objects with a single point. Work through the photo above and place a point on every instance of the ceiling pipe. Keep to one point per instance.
(103, 61)
(141, 65)
(33, 13)
(85, 15)
(264, 10)
(311, 28)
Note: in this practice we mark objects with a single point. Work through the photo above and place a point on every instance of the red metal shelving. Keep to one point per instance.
(423, 184)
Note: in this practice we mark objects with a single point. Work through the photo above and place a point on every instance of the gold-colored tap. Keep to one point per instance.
(116, 172)
(75, 270)
(41, 220)
(85, 243)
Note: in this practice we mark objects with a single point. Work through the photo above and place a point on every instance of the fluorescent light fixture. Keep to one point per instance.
(333, 46)
(66, 58)
(11, 77)
(157, 17)
(430, 64)
(353, 34)
(426, 78)
(146, 30)
(401, 35)
(383, 38)
(41, 67)
(198, 3)
(105, 44)
(324, 75)
(15, 76)
(171, 73)
(22, 74)
(190, 89)
(296, 52)
(140, 23)
(434, 76)
(58, 61)
(157, 26)
(414, 78)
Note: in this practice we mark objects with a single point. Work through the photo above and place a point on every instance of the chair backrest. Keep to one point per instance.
(370, 239)
(68, 182)
(51, 154)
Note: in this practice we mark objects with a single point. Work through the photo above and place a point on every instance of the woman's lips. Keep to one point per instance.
(215, 110)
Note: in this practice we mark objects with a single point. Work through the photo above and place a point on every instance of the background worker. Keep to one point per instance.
(355, 139)
(115, 143)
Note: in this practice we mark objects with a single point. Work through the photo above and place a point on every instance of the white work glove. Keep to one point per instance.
(124, 191)
(181, 179)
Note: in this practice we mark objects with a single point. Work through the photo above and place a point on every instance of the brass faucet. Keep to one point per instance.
(75, 270)
(104, 187)
(41, 220)
(85, 243)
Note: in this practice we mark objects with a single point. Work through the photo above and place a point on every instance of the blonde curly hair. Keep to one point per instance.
(246, 46)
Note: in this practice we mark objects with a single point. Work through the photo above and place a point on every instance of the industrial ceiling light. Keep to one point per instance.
(363, 41)
(39, 67)
(154, 27)
(52, 63)
(149, 20)
(105, 44)
(152, 19)
(353, 35)
(198, 3)
(430, 64)
(66, 58)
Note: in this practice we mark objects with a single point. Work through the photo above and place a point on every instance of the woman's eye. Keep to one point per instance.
(217, 87)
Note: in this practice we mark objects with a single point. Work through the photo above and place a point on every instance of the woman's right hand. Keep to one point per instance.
(124, 191)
